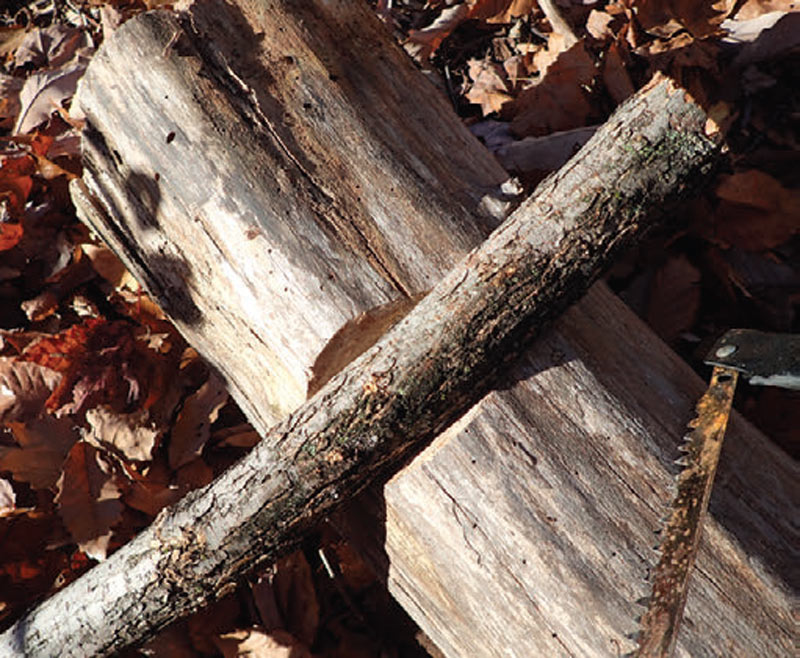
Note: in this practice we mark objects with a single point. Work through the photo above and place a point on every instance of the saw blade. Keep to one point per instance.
(681, 532)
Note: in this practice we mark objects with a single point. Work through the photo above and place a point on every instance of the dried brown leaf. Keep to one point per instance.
(756, 212)
(51, 46)
(256, 643)
(755, 8)
(239, 436)
(598, 24)
(133, 435)
(10, 88)
(286, 598)
(674, 298)
(108, 265)
(489, 88)
(24, 388)
(10, 39)
(500, 11)
(45, 91)
(422, 44)
(665, 19)
(44, 443)
(192, 428)
(152, 491)
(615, 75)
(88, 499)
(558, 101)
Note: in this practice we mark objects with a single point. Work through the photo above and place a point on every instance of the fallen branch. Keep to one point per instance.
(424, 373)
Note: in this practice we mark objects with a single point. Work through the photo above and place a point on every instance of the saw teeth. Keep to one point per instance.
(680, 529)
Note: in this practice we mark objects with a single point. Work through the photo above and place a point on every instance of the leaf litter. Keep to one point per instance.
(106, 416)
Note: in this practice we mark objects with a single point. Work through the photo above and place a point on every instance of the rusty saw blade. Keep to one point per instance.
(681, 534)
(766, 359)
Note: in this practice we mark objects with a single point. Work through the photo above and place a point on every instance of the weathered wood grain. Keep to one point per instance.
(269, 177)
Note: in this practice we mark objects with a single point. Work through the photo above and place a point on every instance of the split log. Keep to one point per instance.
(195, 550)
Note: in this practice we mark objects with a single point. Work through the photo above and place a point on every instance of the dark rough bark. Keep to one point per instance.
(399, 394)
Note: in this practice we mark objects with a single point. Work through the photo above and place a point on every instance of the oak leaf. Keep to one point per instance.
(489, 88)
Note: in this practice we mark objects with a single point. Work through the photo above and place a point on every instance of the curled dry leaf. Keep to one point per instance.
(10, 87)
(106, 263)
(490, 86)
(8, 499)
(43, 444)
(421, 44)
(756, 212)
(558, 101)
(256, 643)
(132, 435)
(88, 498)
(755, 8)
(192, 428)
(24, 387)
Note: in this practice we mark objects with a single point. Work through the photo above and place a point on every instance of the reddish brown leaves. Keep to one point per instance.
(103, 363)
(42, 445)
(559, 101)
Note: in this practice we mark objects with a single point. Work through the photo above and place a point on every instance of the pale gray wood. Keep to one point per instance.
(272, 171)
